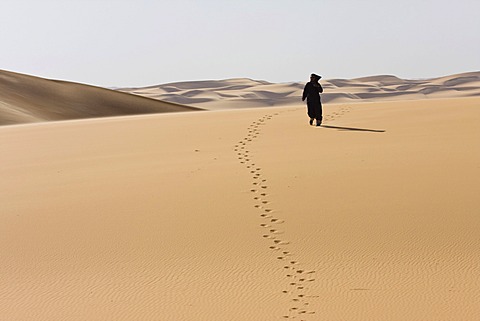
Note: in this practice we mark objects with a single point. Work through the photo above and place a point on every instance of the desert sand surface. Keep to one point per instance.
(29, 99)
(243, 92)
(246, 214)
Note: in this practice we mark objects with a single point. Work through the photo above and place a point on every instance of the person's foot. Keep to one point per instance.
(319, 123)
(311, 121)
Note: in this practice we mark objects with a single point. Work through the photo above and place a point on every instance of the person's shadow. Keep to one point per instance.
(354, 129)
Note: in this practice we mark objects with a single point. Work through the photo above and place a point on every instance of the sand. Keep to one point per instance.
(246, 214)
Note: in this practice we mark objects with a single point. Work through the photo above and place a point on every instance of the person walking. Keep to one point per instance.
(312, 92)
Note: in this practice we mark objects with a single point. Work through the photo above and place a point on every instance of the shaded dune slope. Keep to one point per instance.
(27, 99)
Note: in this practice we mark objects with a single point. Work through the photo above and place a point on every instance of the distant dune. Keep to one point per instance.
(27, 99)
(244, 93)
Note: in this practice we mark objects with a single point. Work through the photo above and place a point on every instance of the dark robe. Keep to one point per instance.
(311, 92)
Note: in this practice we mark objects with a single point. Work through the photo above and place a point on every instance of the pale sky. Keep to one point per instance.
(148, 42)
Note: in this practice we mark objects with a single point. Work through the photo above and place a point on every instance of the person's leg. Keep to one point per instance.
(318, 113)
(311, 112)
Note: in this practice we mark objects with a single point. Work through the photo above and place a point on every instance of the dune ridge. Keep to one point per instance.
(27, 99)
(244, 92)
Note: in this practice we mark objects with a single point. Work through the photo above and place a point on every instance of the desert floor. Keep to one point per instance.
(245, 215)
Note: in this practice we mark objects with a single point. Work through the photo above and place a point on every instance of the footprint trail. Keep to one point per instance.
(296, 278)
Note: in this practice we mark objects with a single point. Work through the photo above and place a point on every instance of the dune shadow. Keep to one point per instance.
(355, 129)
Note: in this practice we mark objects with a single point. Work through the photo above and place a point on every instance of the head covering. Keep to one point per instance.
(317, 77)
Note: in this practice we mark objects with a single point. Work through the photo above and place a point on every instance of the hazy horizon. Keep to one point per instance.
(133, 44)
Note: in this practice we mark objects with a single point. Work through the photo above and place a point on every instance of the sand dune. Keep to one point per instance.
(247, 215)
(247, 93)
(26, 99)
